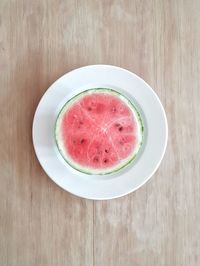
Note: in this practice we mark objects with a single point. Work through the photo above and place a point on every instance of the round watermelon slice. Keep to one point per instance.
(99, 131)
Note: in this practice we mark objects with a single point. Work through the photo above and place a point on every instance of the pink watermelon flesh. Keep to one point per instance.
(99, 131)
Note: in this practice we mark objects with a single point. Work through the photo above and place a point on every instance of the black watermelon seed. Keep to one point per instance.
(120, 128)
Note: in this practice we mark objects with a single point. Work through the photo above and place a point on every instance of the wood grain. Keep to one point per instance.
(40, 224)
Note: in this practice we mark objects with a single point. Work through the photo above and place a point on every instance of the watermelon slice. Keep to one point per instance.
(99, 131)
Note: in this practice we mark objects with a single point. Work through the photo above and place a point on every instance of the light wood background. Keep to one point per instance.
(40, 224)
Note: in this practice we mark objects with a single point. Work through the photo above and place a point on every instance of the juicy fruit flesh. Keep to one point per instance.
(99, 130)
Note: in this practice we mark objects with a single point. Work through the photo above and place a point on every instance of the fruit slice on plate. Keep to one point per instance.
(99, 131)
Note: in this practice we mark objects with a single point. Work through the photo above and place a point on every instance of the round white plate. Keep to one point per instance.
(108, 186)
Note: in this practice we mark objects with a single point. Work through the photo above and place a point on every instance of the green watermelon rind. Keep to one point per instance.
(90, 171)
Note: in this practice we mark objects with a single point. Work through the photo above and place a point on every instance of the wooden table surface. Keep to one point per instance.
(40, 224)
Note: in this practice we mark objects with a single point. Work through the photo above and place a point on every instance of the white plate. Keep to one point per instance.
(109, 186)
